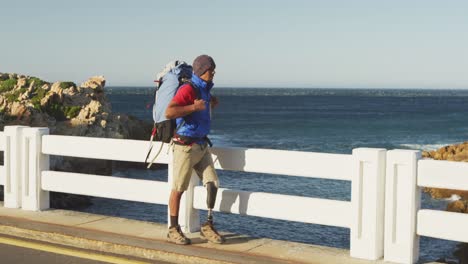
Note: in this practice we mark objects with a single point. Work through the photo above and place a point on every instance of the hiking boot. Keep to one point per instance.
(176, 236)
(209, 233)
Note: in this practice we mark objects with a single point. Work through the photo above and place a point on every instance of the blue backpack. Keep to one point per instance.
(168, 81)
(177, 74)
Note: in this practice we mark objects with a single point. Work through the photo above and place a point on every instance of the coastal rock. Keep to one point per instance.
(45, 87)
(73, 97)
(460, 206)
(88, 113)
(458, 152)
(31, 86)
(4, 76)
(56, 88)
(71, 91)
(41, 120)
(438, 193)
(96, 82)
(52, 98)
(21, 82)
(19, 110)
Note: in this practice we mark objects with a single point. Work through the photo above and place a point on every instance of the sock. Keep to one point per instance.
(210, 216)
(174, 220)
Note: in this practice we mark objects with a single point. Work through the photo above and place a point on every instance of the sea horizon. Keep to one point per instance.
(298, 87)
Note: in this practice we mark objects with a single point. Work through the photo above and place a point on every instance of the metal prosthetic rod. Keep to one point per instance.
(212, 190)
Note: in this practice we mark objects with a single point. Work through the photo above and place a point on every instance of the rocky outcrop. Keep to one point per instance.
(460, 206)
(67, 109)
(458, 152)
(64, 107)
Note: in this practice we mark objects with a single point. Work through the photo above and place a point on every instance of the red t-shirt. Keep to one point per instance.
(185, 95)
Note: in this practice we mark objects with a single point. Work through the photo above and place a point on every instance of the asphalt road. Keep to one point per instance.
(18, 255)
(14, 250)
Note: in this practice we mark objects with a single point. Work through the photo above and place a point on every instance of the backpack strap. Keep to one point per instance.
(153, 133)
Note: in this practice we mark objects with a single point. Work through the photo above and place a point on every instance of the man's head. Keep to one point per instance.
(204, 67)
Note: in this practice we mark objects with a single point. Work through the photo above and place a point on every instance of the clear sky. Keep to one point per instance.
(368, 44)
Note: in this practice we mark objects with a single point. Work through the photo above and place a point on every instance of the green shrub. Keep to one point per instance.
(71, 111)
(65, 85)
(55, 110)
(11, 97)
(38, 83)
(37, 105)
(60, 112)
(36, 99)
(9, 118)
(7, 85)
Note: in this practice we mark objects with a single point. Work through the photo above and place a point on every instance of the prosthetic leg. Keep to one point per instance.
(212, 190)
(207, 230)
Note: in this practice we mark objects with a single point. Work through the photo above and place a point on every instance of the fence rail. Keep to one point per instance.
(282, 162)
(278, 206)
(105, 186)
(100, 148)
(443, 174)
(444, 225)
(383, 215)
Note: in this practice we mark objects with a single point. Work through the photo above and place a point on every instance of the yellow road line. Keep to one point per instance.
(68, 252)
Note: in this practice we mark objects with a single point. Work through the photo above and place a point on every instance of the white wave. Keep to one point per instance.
(427, 147)
(454, 197)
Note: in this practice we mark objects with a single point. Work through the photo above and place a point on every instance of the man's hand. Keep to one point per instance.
(199, 105)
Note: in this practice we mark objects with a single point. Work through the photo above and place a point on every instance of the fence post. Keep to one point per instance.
(12, 163)
(2, 168)
(367, 198)
(402, 202)
(33, 163)
(189, 217)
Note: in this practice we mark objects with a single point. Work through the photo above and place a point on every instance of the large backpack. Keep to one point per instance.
(168, 82)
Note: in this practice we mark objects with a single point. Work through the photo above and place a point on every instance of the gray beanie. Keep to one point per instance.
(203, 63)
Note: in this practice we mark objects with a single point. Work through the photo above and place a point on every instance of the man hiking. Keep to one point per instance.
(191, 106)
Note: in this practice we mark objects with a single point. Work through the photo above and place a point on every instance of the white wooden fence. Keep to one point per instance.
(383, 214)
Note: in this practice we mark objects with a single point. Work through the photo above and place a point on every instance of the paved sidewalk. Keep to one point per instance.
(146, 240)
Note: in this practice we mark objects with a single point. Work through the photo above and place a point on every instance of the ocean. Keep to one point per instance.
(315, 120)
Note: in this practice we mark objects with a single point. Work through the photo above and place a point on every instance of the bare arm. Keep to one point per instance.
(174, 110)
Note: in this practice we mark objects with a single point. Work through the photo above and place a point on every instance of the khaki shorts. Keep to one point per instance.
(196, 157)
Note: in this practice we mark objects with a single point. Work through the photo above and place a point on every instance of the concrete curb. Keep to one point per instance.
(149, 249)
